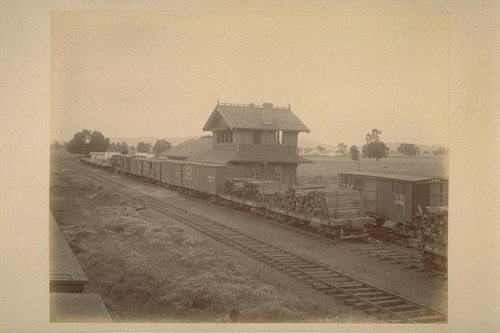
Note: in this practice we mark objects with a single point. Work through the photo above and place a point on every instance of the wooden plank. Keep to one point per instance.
(66, 274)
(78, 307)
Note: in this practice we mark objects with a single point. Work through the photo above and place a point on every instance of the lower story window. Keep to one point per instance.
(278, 173)
(256, 171)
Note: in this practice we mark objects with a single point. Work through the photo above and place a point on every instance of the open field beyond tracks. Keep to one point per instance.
(326, 168)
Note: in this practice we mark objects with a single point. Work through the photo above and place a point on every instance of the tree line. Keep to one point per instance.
(87, 141)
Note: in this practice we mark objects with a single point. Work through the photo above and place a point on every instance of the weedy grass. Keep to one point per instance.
(154, 271)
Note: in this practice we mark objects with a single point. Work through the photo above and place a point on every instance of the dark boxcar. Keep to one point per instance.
(127, 165)
(191, 175)
(166, 172)
(209, 178)
(147, 166)
(214, 183)
(176, 173)
(132, 166)
(397, 197)
(136, 166)
(156, 170)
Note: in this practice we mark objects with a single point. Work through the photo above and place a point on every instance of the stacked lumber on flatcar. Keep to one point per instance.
(251, 189)
(326, 203)
(435, 229)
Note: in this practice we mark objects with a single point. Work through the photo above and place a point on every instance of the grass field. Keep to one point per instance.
(326, 168)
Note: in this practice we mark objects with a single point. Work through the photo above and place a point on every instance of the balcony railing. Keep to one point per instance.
(284, 150)
(253, 148)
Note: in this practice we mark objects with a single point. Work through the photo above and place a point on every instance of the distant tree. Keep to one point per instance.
(98, 142)
(374, 136)
(408, 149)
(355, 155)
(55, 145)
(86, 141)
(441, 151)
(123, 148)
(80, 143)
(320, 148)
(341, 148)
(374, 148)
(143, 147)
(161, 146)
(206, 136)
(426, 152)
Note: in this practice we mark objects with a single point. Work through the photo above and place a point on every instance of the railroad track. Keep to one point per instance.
(361, 295)
(378, 251)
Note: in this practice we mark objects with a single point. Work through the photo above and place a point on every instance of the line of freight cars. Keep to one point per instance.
(211, 181)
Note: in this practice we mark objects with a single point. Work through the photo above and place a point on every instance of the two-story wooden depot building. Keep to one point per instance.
(261, 138)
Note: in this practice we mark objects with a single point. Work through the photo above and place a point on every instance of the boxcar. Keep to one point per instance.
(176, 173)
(136, 166)
(397, 198)
(166, 172)
(208, 178)
(147, 166)
(156, 170)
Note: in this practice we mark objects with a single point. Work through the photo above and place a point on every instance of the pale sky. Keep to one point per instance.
(161, 73)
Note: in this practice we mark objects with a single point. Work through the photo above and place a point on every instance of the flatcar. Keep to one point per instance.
(397, 201)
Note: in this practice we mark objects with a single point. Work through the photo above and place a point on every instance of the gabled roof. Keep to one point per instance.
(193, 147)
(254, 117)
(200, 150)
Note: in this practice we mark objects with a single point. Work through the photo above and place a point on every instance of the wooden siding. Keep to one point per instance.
(290, 138)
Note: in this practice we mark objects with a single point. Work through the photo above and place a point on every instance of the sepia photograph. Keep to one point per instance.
(249, 167)
(211, 169)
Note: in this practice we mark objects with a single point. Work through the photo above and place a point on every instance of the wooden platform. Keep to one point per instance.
(67, 281)
(66, 274)
(78, 308)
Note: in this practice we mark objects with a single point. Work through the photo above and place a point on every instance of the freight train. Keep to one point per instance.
(230, 185)
(413, 206)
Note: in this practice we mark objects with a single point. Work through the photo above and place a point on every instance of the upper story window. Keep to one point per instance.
(279, 137)
(224, 137)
